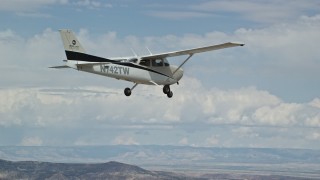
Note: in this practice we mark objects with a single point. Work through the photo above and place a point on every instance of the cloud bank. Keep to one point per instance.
(231, 98)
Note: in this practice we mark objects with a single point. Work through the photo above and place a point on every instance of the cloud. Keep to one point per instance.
(247, 106)
(314, 136)
(31, 141)
(46, 45)
(34, 15)
(92, 4)
(246, 132)
(100, 116)
(259, 11)
(315, 103)
(124, 140)
(177, 15)
(184, 141)
(263, 12)
(282, 114)
(35, 97)
(27, 6)
(243, 105)
(211, 141)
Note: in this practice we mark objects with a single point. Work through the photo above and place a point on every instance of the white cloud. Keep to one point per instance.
(314, 136)
(88, 3)
(125, 140)
(263, 11)
(232, 106)
(282, 114)
(259, 11)
(96, 109)
(177, 15)
(245, 106)
(244, 132)
(31, 141)
(33, 52)
(184, 141)
(313, 121)
(34, 15)
(92, 4)
(27, 6)
(211, 141)
(315, 103)
(68, 99)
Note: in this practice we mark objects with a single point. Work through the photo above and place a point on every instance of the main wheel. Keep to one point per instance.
(166, 89)
(170, 94)
(127, 91)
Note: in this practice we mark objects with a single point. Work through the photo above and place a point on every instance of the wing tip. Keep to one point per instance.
(236, 43)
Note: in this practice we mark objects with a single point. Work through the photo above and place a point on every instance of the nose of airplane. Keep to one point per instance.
(178, 75)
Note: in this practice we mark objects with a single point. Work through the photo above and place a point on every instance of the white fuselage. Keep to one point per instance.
(129, 71)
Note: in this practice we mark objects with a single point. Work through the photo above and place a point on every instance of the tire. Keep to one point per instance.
(166, 89)
(170, 94)
(127, 91)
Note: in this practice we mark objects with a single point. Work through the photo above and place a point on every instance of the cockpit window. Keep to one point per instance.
(133, 60)
(166, 63)
(145, 62)
(157, 62)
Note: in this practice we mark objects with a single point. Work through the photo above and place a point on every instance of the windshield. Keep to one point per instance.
(165, 61)
(133, 60)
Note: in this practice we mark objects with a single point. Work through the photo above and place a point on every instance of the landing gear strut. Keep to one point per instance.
(127, 91)
(167, 91)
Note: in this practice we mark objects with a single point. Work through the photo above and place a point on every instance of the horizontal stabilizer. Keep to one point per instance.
(60, 67)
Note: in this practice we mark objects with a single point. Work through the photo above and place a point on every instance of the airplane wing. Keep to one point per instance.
(192, 51)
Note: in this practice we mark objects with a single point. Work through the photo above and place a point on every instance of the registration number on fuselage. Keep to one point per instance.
(115, 69)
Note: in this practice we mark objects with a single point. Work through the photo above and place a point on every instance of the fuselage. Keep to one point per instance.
(152, 69)
(149, 74)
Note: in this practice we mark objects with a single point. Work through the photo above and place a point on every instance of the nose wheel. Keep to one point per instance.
(167, 91)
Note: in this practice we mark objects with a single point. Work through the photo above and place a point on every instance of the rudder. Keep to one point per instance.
(70, 41)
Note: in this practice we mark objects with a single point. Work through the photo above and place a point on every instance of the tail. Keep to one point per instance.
(72, 46)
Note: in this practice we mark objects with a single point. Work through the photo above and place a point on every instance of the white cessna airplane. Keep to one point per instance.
(153, 69)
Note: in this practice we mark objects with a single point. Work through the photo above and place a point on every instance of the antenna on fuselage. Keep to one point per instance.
(134, 53)
(149, 50)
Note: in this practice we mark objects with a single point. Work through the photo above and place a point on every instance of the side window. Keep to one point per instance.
(157, 63)
(145, 62)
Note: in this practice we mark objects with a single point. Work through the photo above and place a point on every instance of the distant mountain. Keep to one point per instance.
(285, 162)
(111, 171)
(160, 154)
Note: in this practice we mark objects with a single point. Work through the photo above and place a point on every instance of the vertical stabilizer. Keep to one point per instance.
(70, 42)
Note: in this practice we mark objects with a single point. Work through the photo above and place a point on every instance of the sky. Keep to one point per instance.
(265, 94)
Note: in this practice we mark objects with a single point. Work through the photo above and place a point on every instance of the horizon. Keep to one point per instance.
(176, 146)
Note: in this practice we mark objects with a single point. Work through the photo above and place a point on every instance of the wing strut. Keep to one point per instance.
(190, 55)
(127, 91)
(134, 86)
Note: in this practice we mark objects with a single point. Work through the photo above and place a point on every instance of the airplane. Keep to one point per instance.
(152, 69)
